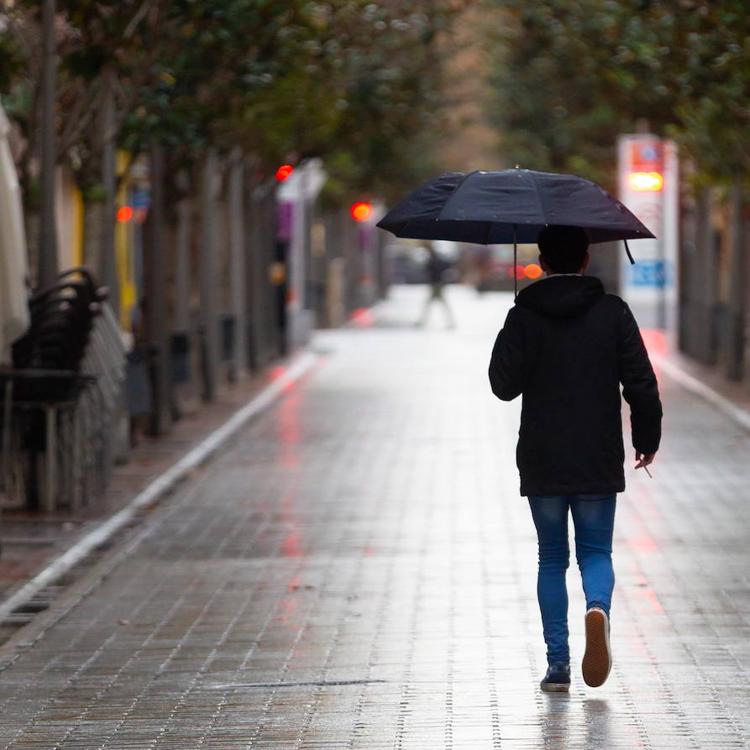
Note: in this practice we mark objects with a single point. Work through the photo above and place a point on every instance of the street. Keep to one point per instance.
(357, 570)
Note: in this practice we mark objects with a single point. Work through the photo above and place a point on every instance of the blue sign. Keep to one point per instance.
(140, 198)
(649, 273)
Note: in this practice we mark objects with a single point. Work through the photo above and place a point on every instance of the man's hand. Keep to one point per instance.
(644, 459)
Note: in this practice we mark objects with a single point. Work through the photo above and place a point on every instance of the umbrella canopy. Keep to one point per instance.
(14, 305)
(510, 206)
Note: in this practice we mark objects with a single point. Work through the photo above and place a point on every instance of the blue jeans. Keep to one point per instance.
(593, 518)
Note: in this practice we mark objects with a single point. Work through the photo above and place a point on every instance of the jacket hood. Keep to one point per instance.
(562, 296)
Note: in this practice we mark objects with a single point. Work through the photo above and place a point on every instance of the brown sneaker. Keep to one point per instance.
(597, 661)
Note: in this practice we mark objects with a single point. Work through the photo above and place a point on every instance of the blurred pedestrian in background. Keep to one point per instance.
(566, 346)
(437, 270)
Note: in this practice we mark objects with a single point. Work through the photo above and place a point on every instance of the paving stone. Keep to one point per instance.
(357, 570)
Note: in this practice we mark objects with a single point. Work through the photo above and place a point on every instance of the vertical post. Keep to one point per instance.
(670, 230)
(704, 290)
(209, 319)
(48, 264)
(352, 259)
(155, 289)
(7, 426)
(295, 302)
(182, 268)
(50, 458)
(253, 271)
(737, 287)
(237, 261)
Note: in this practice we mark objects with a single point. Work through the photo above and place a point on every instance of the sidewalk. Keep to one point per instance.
(30, 540)
(357, 570)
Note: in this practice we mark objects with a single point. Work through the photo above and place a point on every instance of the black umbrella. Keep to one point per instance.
(512, 205)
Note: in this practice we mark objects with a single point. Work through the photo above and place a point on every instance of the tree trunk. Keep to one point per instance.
(47, 267)
(704, 281)
(182, 267)
(107, 269)
(237, 263)
(155, 295)
(208, 280)
(737, 287)
(93, 219)
(253, 273)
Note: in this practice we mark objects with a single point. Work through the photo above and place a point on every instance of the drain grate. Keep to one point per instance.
(38, 603)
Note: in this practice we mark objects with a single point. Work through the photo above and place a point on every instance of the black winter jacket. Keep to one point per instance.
(567, 346)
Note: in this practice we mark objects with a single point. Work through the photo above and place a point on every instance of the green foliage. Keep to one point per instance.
(349, 81)
(352, 81)
(570, 75)
(11, 61)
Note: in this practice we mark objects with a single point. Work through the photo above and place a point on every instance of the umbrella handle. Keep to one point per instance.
(627, 250)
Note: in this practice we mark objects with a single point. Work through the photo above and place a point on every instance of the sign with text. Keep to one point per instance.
(648, 186)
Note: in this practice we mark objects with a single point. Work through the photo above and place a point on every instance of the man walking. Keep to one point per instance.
(566, 346)
(436, 269)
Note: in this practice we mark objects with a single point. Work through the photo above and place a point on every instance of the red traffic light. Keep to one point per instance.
(283, 172)
(361, 210)
(124, 214)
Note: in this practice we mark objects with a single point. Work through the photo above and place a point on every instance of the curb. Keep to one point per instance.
(736, 413)
(161, 486)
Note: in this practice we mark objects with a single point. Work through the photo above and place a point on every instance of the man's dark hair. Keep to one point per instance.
(563, 248)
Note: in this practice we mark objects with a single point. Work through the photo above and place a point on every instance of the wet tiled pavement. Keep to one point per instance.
(357, 571)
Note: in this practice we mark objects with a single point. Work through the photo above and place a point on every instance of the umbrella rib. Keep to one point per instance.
(539, 196)
(453, 194)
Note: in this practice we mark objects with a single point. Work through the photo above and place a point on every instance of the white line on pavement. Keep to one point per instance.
(159, 487)
(737, 413)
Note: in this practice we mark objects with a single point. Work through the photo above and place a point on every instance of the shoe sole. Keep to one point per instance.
(555, 687)
(597, 660)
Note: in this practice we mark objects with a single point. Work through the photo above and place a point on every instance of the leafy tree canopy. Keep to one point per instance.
(570, 75)
(351, 81)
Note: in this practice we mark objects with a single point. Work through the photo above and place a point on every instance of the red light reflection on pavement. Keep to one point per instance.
(644, 543)
(289, 436)
(287, 607)
(651, 597)
(655, 341)
(280, 373)
(292, 546)
(288, 429)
